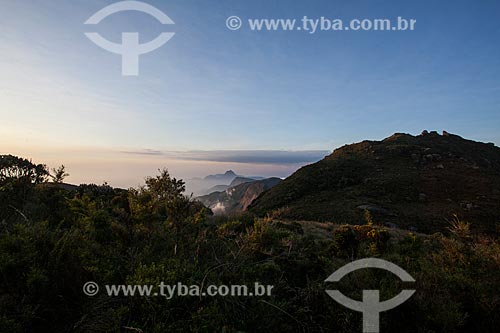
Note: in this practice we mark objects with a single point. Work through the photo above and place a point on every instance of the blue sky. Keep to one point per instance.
(62, 98)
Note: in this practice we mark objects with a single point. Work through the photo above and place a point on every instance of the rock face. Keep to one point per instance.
(421, 180)
(238, 197)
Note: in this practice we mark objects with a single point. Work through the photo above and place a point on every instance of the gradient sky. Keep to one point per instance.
(209, 89)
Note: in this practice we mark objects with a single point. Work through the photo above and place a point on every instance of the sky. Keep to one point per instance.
(258, 102)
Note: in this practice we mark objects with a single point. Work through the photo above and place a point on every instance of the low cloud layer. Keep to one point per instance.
(241, 156)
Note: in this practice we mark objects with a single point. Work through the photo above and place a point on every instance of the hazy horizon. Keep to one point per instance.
(86, 165)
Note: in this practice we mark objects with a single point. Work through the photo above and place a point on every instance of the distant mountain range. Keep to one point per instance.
(404, 180)
(238, 195)
(228, 176)
(236, 181)
(216, 183)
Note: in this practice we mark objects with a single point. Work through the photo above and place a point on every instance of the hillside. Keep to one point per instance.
(237, 198)
(406, 181)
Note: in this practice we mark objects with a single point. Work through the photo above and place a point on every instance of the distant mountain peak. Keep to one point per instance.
(229, 174)
(216, 182)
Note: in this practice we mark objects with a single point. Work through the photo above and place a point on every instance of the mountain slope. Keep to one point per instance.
(237, 198)
(411, 181)
(217, 188)
(240, 180)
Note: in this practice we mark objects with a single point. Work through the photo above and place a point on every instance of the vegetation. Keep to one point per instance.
(53, 240)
